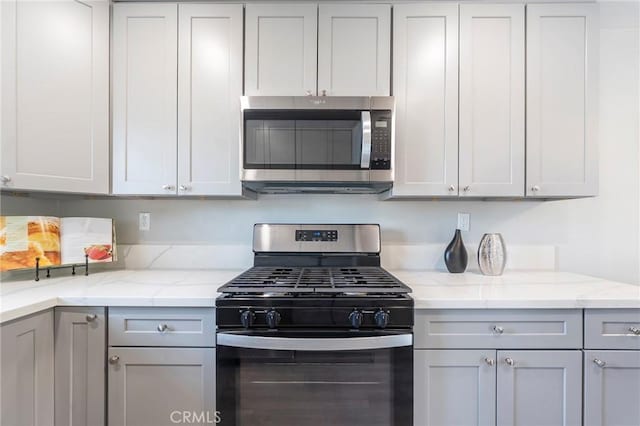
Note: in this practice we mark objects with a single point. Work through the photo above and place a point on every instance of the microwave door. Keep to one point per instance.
(365, 159)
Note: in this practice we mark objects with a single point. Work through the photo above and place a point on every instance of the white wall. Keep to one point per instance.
(599, 236)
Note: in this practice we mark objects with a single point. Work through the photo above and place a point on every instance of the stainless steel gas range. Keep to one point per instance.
(315, 333)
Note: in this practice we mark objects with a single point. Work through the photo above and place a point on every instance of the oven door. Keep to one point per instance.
(296, 378)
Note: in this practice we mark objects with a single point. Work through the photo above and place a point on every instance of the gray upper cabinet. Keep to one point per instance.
(209, 90)
(354, 49)
(425, 87)
(305, 49)
(454, 387)
(176, 99)
(26, 371)
(539, 388)
(55, 95)
(492, 120)
(144, 98)
(153, 386)
(562, 109)
(80, 339)
(611, 388)
(281, 49)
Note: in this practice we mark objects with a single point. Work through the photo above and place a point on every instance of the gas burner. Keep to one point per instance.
(353, 280)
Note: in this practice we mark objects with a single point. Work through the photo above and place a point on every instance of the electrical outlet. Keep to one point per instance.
(463, 221)
(144, 221)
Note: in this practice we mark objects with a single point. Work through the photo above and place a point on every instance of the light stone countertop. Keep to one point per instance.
(431, 289)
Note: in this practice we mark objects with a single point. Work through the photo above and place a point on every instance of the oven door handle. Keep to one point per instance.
(314, 344)
(365, 159)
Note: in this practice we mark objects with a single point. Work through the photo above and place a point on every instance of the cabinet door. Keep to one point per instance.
(80, 337)
(425, 86)
(354, 49)
(55, 95)
(281, 46)
(562, 73)
(209, 90)
(454, 387)
(144, 98)
(539, 388)
(611, 388)
(27, 371)
(492, 100)
(154, 386)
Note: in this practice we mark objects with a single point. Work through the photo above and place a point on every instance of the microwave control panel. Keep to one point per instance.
(381, 140)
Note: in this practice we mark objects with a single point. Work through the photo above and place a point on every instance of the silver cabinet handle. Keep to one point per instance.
(490, 361)
(324, 93)
(365, 158)
(497, 329)
(452, 188)
(308, 93)
(168, 187)
(535, 188)
(91, 318)
(635, 330)
(509, 361)
(184, 187)
(600, 363)
(466, 188)
(114, 359)
(5, 179)
(162, 328)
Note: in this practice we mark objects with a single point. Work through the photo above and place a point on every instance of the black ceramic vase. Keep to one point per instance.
(455, 256)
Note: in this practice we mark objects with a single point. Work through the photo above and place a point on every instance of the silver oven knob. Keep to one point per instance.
(246, 318)
(273, 318)
(355, 318)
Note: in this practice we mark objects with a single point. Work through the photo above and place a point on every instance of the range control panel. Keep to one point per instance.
(381, 140)
(316, 235)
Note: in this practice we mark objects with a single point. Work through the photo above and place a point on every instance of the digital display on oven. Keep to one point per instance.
(317, 235)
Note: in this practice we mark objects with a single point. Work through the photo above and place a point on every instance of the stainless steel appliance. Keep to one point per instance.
(315, 333)
(317, 144)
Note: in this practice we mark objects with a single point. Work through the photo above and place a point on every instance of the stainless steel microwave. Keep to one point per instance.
(317, 144)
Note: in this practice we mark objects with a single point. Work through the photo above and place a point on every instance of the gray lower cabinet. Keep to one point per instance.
(80, 351)
(26, 371)
(160, 386)
(454, 387)
(539, 388)
(611, 388)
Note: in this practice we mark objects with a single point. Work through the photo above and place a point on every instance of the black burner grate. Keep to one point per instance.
(261, 279)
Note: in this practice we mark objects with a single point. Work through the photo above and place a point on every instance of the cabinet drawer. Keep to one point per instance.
(479, 329)
(612, 329)
(162, 327)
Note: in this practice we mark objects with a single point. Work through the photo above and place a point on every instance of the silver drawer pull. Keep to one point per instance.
(497, 329)
(600, 363)
(509, 361)
(635, 330)
(490, 361)
(114, 359)
(91, 318)
(162, 328)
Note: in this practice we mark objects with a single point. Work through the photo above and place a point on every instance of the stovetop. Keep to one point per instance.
(284, 280)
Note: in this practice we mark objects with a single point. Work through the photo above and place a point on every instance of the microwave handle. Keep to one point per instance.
(314, 344)
(365, 159)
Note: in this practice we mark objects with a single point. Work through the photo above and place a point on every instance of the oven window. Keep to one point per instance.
(302, 139)
(294, 388)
